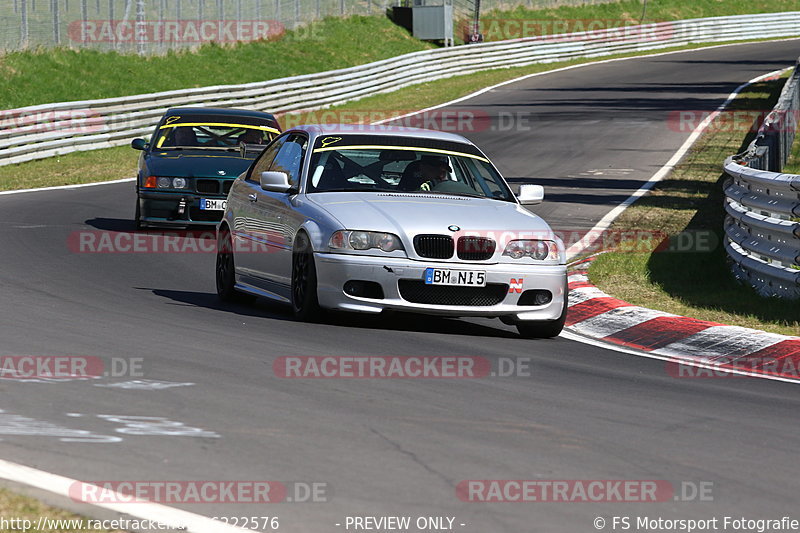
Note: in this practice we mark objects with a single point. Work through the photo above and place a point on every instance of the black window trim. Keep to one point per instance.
(249, 176)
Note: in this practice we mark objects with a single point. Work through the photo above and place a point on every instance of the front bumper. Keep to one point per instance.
(177, 208)
(334, 270)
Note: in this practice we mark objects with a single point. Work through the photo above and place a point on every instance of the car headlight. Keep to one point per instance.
(365, 240)
(162, 182)
(533, 248)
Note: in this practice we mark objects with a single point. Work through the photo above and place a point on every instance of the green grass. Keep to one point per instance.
(16, 506)
(627, 11)
(56, 75)
(793, 164)
(697, 284)
(71, 169)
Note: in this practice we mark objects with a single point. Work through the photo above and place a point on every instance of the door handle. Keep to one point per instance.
(253, 197)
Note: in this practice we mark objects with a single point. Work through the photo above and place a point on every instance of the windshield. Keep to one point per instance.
(212, 135)
(405, 169)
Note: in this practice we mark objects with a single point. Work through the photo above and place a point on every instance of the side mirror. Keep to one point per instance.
(275, 181)
(530, 194)
(139, 144)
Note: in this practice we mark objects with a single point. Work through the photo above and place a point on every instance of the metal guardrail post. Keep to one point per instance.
(84, 19)
(24, 36)
(56, 22)
(140, 27)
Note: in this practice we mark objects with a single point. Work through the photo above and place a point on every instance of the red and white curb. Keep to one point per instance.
(724, 350)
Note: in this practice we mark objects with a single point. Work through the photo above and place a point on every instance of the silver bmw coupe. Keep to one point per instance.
(372, 218)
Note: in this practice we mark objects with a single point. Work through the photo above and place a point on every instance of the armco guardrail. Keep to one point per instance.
(762, 225)
(41, 131)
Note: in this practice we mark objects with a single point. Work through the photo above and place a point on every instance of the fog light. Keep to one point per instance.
(535, 297)
(364, 289)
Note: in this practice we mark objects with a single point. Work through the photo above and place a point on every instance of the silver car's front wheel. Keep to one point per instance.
(304, 281)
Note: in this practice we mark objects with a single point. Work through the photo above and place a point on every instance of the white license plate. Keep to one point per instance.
(213, 205)
(461, 278)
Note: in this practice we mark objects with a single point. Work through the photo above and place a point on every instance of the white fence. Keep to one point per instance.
(47, 130)
(762, 226)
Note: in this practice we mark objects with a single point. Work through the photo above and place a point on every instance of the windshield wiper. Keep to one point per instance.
(442, 193)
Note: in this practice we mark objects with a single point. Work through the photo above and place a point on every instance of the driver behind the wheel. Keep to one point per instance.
(434, 169)
(251, 136)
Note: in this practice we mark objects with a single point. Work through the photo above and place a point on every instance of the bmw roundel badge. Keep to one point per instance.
(453, 228)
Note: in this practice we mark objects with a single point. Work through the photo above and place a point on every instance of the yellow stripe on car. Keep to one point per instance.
(408, 148)
(220, 124)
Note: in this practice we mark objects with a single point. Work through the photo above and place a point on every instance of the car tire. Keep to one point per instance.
(545, 329)
(226, 271)
(305, 304)
(137, 216)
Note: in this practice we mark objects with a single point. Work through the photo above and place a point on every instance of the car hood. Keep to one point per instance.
(197, 164)
(412, 214)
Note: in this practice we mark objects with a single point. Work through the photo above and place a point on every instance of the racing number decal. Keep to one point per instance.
(327, 141)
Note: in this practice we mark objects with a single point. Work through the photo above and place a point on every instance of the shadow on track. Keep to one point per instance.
(209, 300)
(112, 224)
(390, 320)
(125, 225)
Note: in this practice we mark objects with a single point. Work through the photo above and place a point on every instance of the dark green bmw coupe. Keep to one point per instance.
(191, 160)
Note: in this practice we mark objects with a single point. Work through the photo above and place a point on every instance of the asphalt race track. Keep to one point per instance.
(396, 447)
